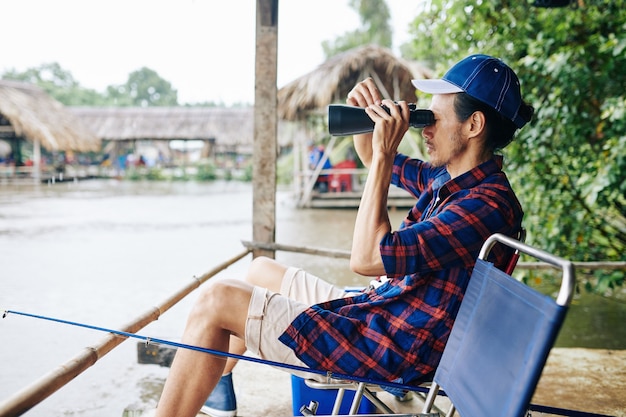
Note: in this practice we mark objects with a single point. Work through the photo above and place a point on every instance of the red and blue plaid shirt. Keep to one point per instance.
(398, 331)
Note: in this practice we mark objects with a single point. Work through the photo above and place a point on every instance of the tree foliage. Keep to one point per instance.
(569, 165)
(375, 28)
(58, 83)
(144, 88)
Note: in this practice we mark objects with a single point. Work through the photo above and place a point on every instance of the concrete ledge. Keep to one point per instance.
(591, 380)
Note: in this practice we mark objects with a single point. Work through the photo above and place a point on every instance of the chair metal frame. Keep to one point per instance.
(505, 285)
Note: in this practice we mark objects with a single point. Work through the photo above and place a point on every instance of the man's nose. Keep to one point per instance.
(427, 132)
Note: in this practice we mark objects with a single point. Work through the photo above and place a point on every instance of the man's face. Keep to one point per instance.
(444, 142)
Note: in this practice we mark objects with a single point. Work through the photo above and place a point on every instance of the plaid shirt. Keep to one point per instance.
(398, 331)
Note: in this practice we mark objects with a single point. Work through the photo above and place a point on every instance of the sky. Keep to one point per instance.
(204, 48)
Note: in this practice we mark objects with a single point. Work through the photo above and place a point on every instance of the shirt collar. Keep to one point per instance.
(470, 178)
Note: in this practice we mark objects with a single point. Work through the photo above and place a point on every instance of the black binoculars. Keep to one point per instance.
(346, 120)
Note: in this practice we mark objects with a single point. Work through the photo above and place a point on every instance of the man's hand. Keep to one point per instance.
(391, 123)
(364, 94)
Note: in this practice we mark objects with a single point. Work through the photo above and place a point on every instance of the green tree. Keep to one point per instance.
(375, 28)
(144, 88)
(568, 166)
(58, 83)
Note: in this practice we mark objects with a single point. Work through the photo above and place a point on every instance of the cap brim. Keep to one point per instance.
(436, 86)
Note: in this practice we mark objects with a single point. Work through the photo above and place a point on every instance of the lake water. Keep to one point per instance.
(104, 251)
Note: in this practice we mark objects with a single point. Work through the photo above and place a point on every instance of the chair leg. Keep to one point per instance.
(451, 411)
(430, 398)
(338, 401)
(358, 396)
(377, 402)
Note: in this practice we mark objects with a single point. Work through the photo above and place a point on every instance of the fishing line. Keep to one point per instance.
(155, 340)
(328, 374)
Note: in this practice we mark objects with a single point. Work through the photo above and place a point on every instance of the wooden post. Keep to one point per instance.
(37, 160)
(265, 126)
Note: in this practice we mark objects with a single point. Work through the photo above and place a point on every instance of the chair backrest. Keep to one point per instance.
(501, 337)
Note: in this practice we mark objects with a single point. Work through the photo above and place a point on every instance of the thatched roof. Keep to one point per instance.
(332, 81)
(232, 127)
(169, 123)
(34, 115)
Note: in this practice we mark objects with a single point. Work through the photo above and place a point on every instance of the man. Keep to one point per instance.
(396, 329)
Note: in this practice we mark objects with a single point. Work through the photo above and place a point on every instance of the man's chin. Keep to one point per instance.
(435, 162)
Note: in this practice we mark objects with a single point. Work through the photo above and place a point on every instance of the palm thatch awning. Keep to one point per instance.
(229, 127)
(232, 125)
(332, 81)
(35, 116)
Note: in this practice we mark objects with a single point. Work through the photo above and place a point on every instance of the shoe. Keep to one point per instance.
(222, 401)
(399, 393)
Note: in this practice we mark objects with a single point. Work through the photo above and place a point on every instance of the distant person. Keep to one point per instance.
(122, 161)
(60, 164)
(316, 156)
(106, 160)
(396, 328)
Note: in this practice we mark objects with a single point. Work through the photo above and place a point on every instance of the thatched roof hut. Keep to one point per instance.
(35, 116)
(332, 81)
(233, 125)
(228, 128)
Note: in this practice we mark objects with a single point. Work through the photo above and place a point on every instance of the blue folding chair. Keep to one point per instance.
(500, 340)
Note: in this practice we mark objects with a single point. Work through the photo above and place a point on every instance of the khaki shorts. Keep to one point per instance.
(269, 313)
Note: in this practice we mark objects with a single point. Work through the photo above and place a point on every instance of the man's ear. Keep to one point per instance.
(475, 124)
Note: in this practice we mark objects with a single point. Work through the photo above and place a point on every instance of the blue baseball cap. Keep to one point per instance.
(485, 78)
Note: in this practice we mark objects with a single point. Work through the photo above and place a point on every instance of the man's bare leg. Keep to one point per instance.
(219, 312)
(217, 321)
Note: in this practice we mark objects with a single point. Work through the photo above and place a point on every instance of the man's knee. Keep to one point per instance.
(224, 304)
(214, 298)
(266, 272)
(259, 266)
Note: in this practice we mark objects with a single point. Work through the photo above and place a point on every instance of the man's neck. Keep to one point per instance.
(469, 162)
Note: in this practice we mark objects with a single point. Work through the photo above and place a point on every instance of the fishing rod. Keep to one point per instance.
(329, 375)
(148, 340)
